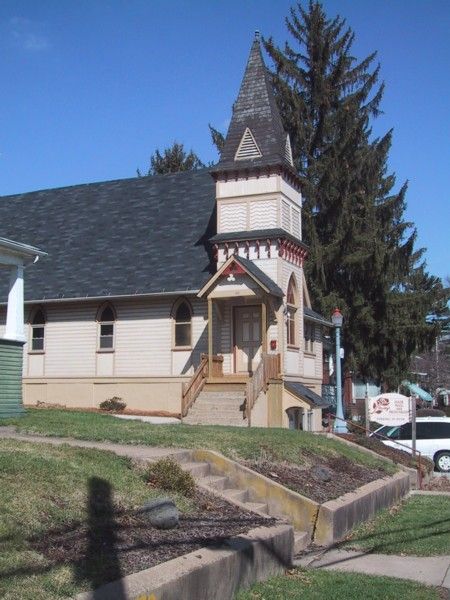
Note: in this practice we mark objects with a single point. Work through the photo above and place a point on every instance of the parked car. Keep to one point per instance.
(432, 439)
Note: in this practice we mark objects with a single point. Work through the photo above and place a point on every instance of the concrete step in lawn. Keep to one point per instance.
(221, 485)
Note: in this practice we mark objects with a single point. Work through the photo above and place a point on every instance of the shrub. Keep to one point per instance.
(168, 475)
(115, 404)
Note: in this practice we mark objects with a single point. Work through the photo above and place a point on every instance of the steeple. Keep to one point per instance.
(255, 137)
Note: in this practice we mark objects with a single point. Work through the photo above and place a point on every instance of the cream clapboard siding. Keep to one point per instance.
(70, 340)
(143, 341)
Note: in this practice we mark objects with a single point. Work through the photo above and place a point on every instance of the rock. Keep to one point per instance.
(161, 513)
(322, 473)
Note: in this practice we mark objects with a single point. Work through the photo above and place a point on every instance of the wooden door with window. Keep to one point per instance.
(247, 338)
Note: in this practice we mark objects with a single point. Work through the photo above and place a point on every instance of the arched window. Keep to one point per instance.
(291, 316)
(183, 325)
(106, 322)
(38, 331)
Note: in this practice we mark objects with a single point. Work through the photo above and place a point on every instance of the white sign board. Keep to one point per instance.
(389, 409)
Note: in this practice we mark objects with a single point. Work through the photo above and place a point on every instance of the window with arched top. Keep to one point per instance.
(291, 316)
(182, 318)
(106, 324)
(38, 331)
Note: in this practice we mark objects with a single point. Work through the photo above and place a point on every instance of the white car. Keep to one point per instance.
(432, 439)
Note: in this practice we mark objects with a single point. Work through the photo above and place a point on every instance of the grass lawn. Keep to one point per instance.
(45, 488)
(419, 526)
(309, 584)
(234, 442)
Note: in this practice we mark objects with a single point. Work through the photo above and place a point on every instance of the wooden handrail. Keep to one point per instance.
(192, 389)
(268, 368)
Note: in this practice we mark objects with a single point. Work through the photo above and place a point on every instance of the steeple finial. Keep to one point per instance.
(257, 35)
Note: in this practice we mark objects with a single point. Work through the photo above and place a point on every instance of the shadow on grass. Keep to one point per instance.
(101, 562)
(114, 542)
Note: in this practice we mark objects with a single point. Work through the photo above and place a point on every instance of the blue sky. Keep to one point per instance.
(90, 88)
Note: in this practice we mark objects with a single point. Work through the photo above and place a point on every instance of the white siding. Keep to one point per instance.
(70, 340)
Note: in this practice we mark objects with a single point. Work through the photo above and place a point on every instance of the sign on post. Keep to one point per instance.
(389, 409)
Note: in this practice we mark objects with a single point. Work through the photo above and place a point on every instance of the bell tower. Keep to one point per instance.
(257, 188)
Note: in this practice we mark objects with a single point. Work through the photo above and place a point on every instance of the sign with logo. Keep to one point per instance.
(389, 409)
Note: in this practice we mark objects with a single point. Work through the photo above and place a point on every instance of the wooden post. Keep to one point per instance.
(210, 337)
(264, 326)
(413, 425)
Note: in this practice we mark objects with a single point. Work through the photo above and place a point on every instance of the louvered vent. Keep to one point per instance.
(248, 148)
(288, 151)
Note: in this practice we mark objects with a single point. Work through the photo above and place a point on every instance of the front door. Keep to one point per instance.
(247, 338)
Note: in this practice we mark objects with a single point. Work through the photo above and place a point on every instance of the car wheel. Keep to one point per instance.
(442, 462)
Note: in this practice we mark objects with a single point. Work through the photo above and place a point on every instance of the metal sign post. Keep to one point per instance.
(366, 404)
(413, 425)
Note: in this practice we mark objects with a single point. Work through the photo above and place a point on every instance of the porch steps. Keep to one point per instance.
(223, 486)
(218, 407)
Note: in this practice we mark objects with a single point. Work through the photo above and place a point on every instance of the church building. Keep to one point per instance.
(182, 293)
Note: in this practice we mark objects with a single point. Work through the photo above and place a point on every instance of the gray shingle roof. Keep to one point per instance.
(255, 108)
(303, 392)
(315, 316)
(140, 235)
(261, 276)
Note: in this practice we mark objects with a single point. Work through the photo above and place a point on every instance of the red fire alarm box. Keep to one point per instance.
(273, 344)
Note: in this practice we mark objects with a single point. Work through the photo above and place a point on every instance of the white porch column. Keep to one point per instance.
(14, 315)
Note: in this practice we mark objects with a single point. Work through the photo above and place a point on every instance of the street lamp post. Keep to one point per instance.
(340, 426)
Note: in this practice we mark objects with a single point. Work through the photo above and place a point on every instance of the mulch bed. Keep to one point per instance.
(398, 456)
(346, 476)
(108, 548)
(438, 484)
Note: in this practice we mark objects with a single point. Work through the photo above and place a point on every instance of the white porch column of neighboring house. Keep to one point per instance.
(14, 314)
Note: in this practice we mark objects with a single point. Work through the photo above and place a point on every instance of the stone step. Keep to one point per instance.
(216, 482)
(236, 494)
(196, 469)
(301, 541)
(260, 507)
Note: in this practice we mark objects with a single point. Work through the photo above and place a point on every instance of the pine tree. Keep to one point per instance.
(173, 160)
(362, 253)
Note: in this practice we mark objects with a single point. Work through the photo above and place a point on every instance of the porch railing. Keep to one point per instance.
(194, 386)
(268, 368)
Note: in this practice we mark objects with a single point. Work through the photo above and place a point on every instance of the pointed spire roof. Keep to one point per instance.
(255, 125)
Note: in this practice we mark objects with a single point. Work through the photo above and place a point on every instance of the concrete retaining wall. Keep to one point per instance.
(282, 502)
(413, 475)
(208, 574)
(337, 517)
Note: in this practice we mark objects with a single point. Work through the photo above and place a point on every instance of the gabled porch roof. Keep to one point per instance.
(239, 266)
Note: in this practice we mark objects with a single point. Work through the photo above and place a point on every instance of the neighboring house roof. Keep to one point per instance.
(312, 315)
(116, 238)
(255, 109)
(304, 393)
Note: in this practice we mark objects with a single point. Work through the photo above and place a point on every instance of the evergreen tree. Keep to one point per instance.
(362, 254)
(173, 160)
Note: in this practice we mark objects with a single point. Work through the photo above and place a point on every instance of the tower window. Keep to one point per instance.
(291, 316)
